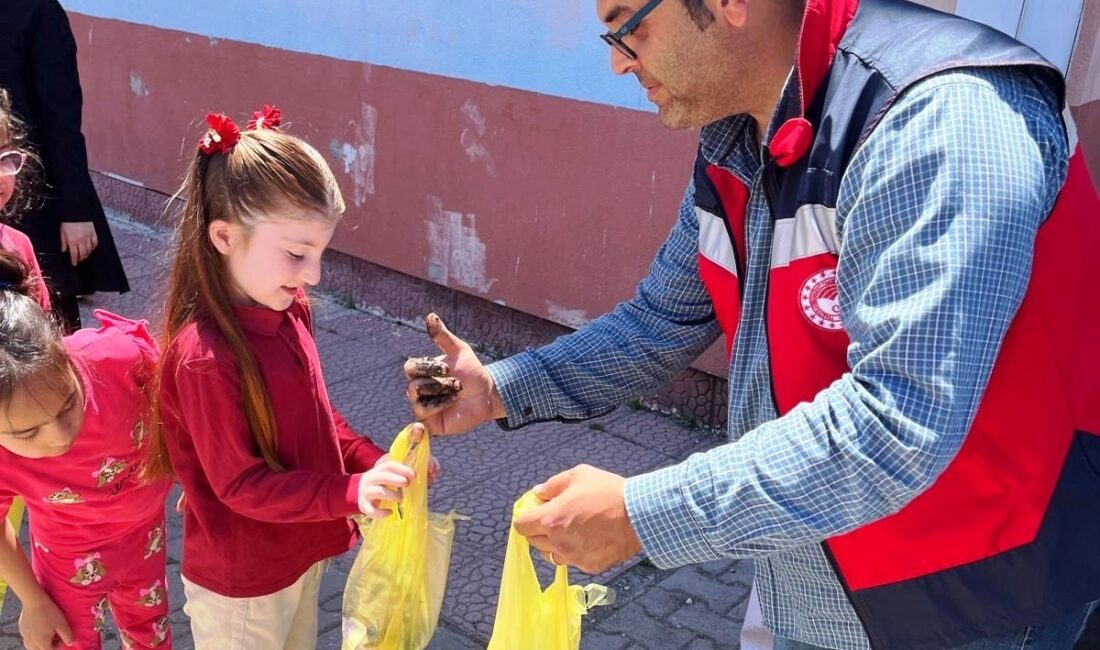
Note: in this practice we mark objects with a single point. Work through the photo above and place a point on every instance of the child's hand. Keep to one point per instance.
(382, 484)
(434, 470)
(40, 621)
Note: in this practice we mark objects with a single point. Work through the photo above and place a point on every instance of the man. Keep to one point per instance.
(886, 223)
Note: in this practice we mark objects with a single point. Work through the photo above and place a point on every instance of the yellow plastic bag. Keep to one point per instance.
(395, 587)
(529, 618)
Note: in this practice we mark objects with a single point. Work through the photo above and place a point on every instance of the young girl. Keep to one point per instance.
(15, 198)
(270, 471)
(73, 415)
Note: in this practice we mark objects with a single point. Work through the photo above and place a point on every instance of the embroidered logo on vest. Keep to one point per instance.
(820, 304)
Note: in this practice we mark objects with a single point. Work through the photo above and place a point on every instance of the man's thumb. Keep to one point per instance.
(448, 343)
(553, 486)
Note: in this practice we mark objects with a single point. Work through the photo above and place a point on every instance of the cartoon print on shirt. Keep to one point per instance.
(155, 543)
(152, 596)
(108, 471)
(89, 570)
(99, 614)
(63, 496)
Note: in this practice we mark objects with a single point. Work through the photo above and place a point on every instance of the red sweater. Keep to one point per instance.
(18, 243)
(250, 531)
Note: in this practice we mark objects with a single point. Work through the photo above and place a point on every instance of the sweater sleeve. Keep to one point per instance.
(359, 451)
(215, 430)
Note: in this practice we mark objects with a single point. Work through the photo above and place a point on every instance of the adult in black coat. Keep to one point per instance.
(69, 230)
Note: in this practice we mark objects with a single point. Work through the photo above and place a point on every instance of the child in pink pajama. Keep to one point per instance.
(73, 415)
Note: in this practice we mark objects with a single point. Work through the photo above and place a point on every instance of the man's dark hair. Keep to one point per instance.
(700, 15)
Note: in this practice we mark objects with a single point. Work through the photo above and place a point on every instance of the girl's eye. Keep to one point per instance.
(294, 257)
(26, 436)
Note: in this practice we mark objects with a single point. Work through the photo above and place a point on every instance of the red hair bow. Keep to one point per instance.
(269, 117)
(221, 136)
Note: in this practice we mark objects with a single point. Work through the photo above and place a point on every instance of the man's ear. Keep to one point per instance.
(733, 13)
(223, 235)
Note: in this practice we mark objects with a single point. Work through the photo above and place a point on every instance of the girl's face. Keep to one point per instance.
(43, 416)
(269, 262)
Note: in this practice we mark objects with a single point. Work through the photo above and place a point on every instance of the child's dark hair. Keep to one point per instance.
(264, 170)
(30, 341)
(28, 184)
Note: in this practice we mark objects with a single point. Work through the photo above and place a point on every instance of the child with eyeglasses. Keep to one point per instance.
(18, 164)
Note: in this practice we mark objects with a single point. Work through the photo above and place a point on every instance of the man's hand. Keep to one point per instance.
(453, 392)
(40, 621)
(584, 522)
(78, 240)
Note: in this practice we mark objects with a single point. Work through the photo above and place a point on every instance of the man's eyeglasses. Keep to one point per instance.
(615, 39)
(11, 161)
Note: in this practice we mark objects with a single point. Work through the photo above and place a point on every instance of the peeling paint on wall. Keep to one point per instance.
(355, 156)
(566, 316)
(456, 254)
(472, 134)
(137, 85)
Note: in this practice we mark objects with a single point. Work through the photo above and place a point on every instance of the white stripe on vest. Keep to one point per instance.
(811, 231)
(714, 240)
(1071, 130)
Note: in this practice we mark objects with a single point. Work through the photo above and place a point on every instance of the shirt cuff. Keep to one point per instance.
(344, 499)
(664, 518)
(519, 381)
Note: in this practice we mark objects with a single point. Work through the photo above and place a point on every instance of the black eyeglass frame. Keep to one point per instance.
(615, 39)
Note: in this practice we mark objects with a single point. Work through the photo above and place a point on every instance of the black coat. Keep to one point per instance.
(38, 66)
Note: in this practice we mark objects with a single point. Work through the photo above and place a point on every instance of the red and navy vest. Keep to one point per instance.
(1009, 535)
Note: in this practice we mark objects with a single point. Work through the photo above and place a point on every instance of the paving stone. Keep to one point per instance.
(697, 617)
(612, 454)
(633, 622)
(719, 597)
(659, 603)
(654, 431)
(472, 589)
(596, 640)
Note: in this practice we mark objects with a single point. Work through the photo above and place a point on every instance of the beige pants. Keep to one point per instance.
(286, 619)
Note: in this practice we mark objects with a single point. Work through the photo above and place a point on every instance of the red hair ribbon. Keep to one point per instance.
(221, 136)
(268, 117)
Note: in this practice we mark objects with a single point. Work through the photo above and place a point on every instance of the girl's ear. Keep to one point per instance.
(223, 235)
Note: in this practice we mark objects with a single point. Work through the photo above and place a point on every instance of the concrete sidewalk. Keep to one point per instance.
(484, 472)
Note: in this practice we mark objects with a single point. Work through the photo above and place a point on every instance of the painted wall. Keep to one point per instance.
(482, 145)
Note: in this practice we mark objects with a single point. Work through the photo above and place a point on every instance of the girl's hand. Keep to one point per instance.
(383, 483)
(434, 470)
(40, 622)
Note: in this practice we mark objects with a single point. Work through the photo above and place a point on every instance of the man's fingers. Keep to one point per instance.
(448, 343)
(426, 367)
(435, 386)
(555, 485)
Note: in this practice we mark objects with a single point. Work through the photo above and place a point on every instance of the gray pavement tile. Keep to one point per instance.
(381, 351)
(596, 640)
(611, 453)
(721, 598)
(374, 405)
(702, 621)
(490, 514)
(473, 584)
(655, 432)
(644, 631)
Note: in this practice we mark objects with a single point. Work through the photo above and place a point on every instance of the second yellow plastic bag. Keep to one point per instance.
(529, 618)
(395, 587)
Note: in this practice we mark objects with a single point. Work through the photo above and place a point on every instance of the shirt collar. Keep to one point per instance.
(260, 320)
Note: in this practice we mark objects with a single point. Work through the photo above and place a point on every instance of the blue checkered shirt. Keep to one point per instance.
(937, 215)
